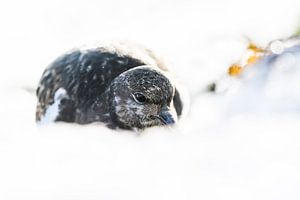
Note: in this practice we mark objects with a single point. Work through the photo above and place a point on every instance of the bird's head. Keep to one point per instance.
(142, 97)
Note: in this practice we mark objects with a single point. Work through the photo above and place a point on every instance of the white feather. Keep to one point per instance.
(53, 110)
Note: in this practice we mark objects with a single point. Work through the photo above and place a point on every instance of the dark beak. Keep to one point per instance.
(166, 117)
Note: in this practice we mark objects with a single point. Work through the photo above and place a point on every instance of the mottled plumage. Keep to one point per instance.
(109, 84)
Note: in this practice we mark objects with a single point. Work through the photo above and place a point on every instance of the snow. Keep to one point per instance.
(244, 144)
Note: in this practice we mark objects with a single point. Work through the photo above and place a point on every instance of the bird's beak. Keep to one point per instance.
(166, 117)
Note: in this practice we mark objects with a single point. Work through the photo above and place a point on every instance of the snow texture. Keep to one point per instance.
(244, 144)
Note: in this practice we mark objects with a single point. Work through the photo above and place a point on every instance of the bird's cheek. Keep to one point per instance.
(151, 110)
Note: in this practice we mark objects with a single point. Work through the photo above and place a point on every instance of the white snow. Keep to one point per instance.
(241, 145)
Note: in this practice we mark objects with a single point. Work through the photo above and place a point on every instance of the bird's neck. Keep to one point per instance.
(99, 109)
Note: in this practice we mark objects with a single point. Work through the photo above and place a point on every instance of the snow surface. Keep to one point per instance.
(240, 145)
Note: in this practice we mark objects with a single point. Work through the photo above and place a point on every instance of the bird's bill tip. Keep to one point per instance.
(166, 118)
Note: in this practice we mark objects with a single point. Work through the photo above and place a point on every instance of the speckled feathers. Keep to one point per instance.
(100, 85)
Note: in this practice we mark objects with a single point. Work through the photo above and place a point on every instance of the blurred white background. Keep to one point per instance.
(213, 154)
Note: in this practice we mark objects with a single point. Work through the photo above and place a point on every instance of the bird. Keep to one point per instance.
(123, 86)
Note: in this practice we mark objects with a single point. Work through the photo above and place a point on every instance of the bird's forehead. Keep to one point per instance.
(152, 84)
(156, 92)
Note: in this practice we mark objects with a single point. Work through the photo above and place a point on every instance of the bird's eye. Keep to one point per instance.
(139, 97)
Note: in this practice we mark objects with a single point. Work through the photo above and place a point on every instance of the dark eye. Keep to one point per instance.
(139, 97)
